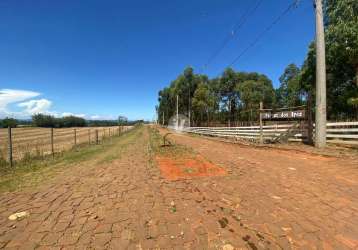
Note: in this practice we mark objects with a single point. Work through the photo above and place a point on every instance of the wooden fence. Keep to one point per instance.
(17, 143)
(337, 132)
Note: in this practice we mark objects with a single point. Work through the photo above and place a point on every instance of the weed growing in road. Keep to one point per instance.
(174, 150)
(178, 161)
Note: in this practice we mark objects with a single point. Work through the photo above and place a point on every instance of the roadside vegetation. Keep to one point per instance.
(170, 149)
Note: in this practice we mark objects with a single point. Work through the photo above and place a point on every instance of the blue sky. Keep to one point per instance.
(101, 59)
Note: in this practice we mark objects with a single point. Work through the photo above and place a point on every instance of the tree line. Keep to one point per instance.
(234, 96)
(8, 122)
(49, 121)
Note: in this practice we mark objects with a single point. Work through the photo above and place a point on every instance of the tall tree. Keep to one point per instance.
(342, 54)
(8, 122)
(204, 102)
(341, 22)
(288, 94)
(253, 91)
(228, 95)
(185, 86)
(166, 104)
(342, 34)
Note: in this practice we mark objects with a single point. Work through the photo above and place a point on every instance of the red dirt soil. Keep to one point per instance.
(175, 169)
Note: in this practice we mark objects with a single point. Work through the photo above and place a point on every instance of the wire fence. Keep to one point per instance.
(19, 143)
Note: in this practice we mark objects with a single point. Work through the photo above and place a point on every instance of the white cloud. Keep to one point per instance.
(102, 117)
(24, 100)
(72, 114)
(8, 96)
(36, 106)
(95, 117)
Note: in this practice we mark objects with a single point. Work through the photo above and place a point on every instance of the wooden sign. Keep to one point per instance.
(295, 114)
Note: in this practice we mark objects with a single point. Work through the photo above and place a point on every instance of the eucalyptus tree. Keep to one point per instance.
(228, 96)
(341, 22)
(255, 89)
(204, 102)
(289, 94)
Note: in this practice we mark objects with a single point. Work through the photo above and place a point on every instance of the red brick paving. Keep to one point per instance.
(185, 168)
(300, 200)
(269, 199)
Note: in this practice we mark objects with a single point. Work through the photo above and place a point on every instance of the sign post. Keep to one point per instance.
(284, 114)
(9, 134)
(52, 146)
(279, 115)
(309, 120)
(261, 127)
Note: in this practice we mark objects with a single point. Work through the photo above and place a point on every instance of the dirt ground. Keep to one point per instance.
(226, 196)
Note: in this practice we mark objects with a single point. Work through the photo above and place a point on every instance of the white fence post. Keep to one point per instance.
(337, 132)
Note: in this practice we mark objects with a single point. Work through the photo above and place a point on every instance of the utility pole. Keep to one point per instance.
(261, 126)
(189, 112)
(177, 113)
(230, 112)
(321, 112)
(189, 103)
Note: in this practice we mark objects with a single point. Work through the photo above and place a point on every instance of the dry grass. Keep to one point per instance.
(36, 142)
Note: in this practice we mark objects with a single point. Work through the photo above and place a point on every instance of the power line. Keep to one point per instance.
(294, 4)
(235, 28)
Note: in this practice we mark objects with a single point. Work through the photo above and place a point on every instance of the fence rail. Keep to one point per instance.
(337, 132)
(17, 143)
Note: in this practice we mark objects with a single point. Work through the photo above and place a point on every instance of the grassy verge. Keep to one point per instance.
(127, 139)
(31, 172)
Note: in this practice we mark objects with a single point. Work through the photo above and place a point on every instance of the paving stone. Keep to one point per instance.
(60, 226)
(69, 238)
(50, 239)
(126, 203)
(85, 239)
(100, 240)
(118, 243)
(103, 228)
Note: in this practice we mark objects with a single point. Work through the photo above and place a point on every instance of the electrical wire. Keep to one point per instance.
(234, 30)
(293, 5)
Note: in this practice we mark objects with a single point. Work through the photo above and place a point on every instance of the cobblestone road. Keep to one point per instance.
(268, 200)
